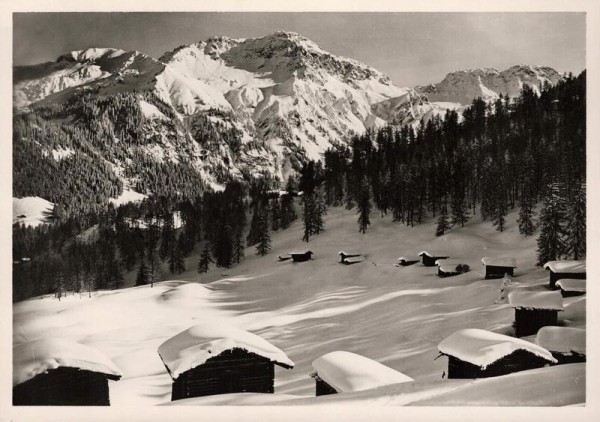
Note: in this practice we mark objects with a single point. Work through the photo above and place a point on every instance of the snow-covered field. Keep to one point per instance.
(394, 315)
(31, 210)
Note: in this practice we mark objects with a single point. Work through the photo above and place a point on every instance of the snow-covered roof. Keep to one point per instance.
(300, 252)
(499, 261)
(564, 340)
(536, 300)
(572, 285)
(40, 356)
(448, 265)
(348, 372)
(194, 346)
(431, 254)
(348, 253)
(576, 267)
(482, 348)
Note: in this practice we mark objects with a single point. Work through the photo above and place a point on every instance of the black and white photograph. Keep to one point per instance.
(323, 209)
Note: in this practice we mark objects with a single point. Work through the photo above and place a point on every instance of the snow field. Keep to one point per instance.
(396, 316)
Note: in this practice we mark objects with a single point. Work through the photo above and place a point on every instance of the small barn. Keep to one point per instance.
(571, 287)
(474, 353)
(566, 344)
(534, 310)
(565, 269)
(301, 256)
(345, 255)
(346, 372)
(429, 259)
(210, 359)
(450, 267)
(59, 372)
(404, 262)
(498, 267)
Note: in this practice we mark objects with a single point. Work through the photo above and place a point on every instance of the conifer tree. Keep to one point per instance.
(525, 220)
(288, 213)
(275, 211)
(550, 240)
(443, 225)
(143, 275)
(205, 259)
(176, 261)
(364, 206)
(575, 242)
(264, 239)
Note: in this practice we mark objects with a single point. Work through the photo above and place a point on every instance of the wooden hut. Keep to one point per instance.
(210, 359)
(301, 256)
(450, 267)
(58, 372)
(571, 287)
(565, 269)
(429, 259)
(534, 310)
(404, 262)
(344, 256)
(566, 344)
(346, 372)
(474, 353)
(498, 267)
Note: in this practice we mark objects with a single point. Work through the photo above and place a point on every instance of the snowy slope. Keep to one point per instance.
(464, 86)
(396, 316)
(31, 210)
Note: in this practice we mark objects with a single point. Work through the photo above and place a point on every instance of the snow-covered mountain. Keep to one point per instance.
(464, 86)
(286, 98)
(245, 107)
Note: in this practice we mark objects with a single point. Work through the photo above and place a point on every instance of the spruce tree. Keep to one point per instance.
(288, 213)
(143, 276)
(364, 206)
(275, 211)
(550, 240)
(264, 239)
(443, 225)
(308, 216)
(525, 220)
(205, 259)
(575, 242)
(176, 261)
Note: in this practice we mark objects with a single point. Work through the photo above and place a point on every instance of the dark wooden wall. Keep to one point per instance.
(233, 371)
(63, 387)
(529, 321)
(429, 261)
(322, 388)
(493, 271)
(572, 358)
(520, 360)
(554, 277)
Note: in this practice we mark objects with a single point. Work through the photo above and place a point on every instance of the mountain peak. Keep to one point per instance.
(91, 54)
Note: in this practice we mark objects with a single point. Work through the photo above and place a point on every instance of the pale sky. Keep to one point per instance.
(412, 48)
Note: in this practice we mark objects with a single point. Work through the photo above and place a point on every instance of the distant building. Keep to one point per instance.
(345, 372)
(534, 310)
(210, 359)
(566, 344)
(403, 262)
(429, 259)
(565, 269)
(58, 372)
(301, 256)
(450, 267)
(344, 256)
(571, 286)
(474, 353)
(498, 267)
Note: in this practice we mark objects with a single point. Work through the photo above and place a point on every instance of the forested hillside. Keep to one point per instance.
(523, 152)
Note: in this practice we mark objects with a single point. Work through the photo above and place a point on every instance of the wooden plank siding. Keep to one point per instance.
(519, 360)
(323, 389)
(493, 271)
(233, 371)
(529, 321)
(64, 387)
(554, 277)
